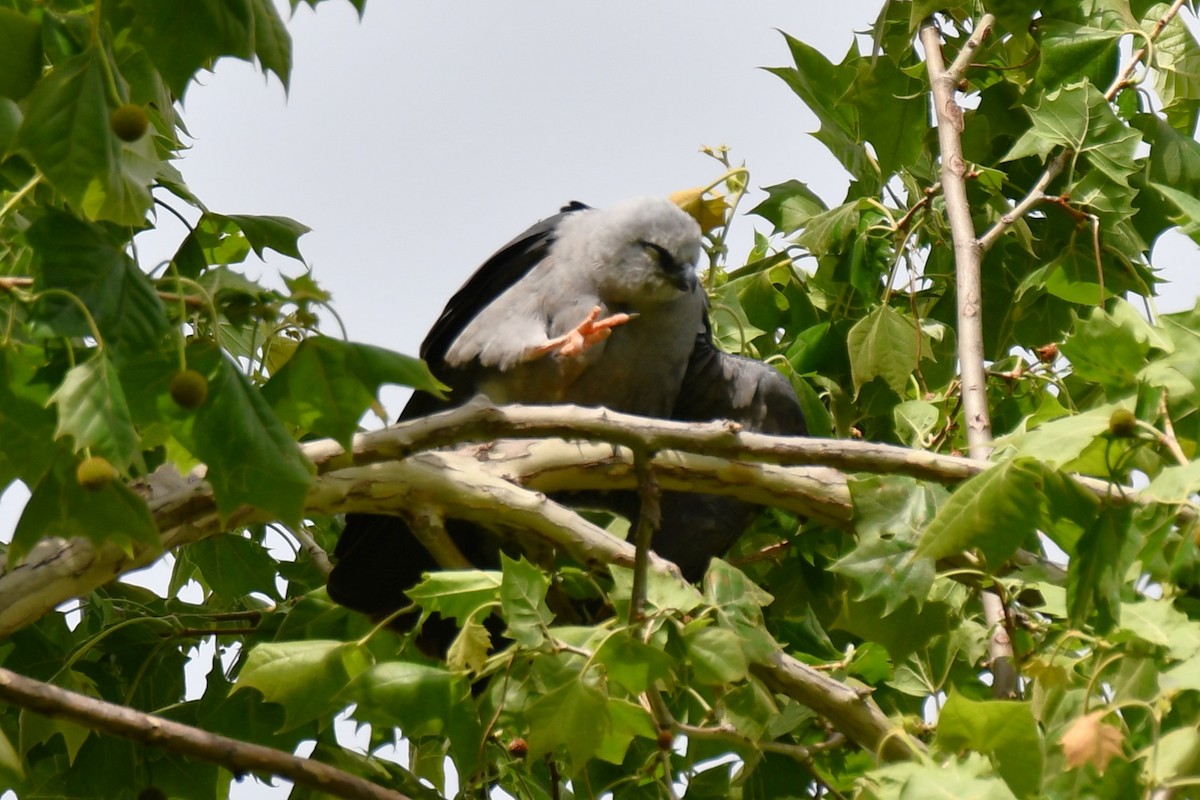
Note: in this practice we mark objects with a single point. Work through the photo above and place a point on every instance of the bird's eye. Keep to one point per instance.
(661, 256)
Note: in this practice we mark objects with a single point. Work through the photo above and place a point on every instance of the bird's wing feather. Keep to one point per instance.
(507, 266)
(719, 385)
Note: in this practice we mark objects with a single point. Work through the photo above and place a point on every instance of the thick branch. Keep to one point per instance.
(238, 757)
(56, 570)
(968, 268)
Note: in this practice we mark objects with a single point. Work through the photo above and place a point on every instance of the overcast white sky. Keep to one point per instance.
(417, 141)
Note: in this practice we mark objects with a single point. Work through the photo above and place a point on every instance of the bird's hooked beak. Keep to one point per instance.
(685, 280)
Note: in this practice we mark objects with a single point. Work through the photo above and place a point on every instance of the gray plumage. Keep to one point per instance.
(636, 258)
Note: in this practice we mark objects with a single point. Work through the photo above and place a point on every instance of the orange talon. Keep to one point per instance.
(583, 336)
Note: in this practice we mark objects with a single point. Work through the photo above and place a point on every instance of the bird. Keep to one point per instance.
(596, 307)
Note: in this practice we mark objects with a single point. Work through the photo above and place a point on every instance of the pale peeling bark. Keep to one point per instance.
(236, 756)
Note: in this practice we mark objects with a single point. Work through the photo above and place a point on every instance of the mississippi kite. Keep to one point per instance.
(597, 308)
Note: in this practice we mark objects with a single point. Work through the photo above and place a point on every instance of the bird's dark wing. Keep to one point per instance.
(718, 385)
(505, 267)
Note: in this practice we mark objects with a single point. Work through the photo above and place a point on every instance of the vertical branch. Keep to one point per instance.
(968, 259)
(649, 518)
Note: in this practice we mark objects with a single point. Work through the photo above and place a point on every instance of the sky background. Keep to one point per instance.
(417, 141)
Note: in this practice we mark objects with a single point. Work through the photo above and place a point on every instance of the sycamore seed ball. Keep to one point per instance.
(129, 122)
(1122, 423)
(95, 473)
(518, 747)
(189, 389)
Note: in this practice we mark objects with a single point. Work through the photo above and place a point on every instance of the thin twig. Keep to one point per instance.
(1123, 79)
(648, 522)
(236, 756)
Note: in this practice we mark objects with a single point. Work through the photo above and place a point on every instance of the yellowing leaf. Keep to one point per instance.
(1089, 741)
(470, 648)
(710, 212)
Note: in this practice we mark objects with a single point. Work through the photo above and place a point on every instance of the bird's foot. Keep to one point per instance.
(583, 337)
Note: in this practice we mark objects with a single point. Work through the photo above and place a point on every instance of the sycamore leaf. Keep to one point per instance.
(1002, 729)
(523, 601)
(327, 384)
(80, 258)
(92, 410)
(66, 134)
(263, 231)
(631, 663)
(305, 678)
(1079, 118)
(716, 655)
(890, 513)
(419, 699)
(574, 717)
(789, 206)
(883, 344)
(994, 511)
(250, 456)
(1089, 741)
(457, 593)
(59, 506)
(469, 650)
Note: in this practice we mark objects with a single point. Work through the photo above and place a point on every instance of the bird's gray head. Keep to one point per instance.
(641, 251)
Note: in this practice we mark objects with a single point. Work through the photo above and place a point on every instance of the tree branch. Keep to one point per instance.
(236, 756)
(746, 466)
(968, 261)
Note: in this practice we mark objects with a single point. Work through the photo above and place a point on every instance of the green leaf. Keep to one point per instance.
(457, 593)
(716, 655)
(523, 601)
(66, 134)
(421, 700)
(230, 565)
(631, 663)
(1058, 442)
(1078, 117)
(1176, 73)
(629, 720)
(574, 717)
(789, 206)
(663, 592)
(967, 778)
(26, 425)
(20, 54)
(92, 409)
(59, 506)
(11, 770)
(277, 233)
(185, 36)
(78, 257)
(994, 511)
(903, 632)
(327, 384)
(1002, 729)
(892, 112)
(821, 85)
(883, 344)
(1174, 484)
(306, 678)
(251, 459)
(1070, 50)
(1159, 623)
(272, 42)
(889, 515)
